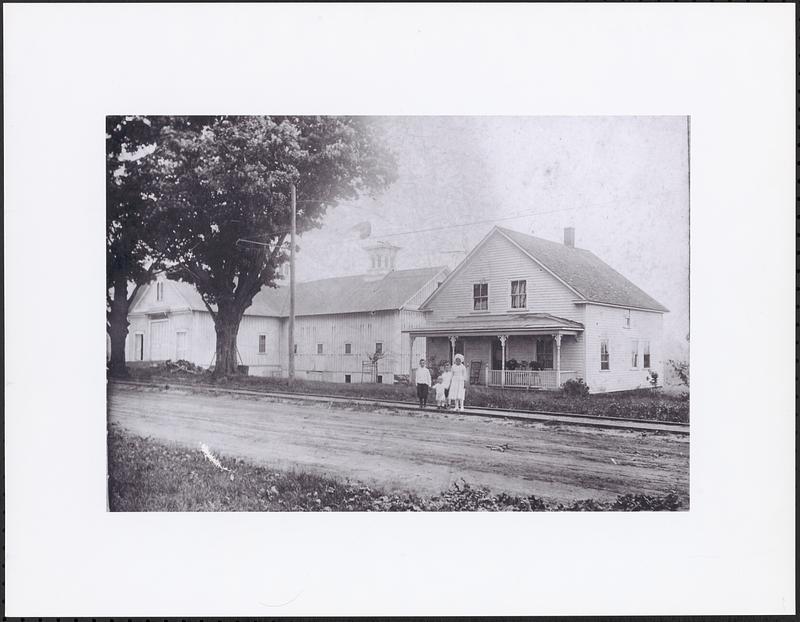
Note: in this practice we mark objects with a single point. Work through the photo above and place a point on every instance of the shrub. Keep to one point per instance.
(575, 387)
(681, 370)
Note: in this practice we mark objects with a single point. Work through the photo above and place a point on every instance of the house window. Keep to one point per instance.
(262, 344)
(380, 380)
(627, 318)
(518, 294)
(604, 362)
(634, 353)
(295, 348)
(646, 355)
(348, 348)
(138, 347)
(480, 296)
(160, 290)
(319, 348)
(347, 378)
(379, 347)
(544, 353)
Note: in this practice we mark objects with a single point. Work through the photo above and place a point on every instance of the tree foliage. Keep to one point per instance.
(224, 183)
(133, 245)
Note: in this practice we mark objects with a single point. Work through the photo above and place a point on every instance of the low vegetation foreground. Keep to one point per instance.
(147, 475)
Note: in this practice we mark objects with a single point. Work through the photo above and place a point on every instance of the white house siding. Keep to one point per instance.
(609, 323)
(499, 262)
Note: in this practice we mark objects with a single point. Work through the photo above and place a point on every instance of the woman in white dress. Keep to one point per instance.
(457, 389)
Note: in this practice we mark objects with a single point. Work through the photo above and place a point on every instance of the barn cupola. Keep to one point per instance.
(382, 256)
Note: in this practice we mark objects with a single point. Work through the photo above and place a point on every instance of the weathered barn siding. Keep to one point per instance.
(498, 262)
(168, 328)
(361, 330)
(609, 323)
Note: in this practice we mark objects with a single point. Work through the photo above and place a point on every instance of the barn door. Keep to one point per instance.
(159, 346)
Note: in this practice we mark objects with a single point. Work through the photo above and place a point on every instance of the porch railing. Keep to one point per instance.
(526, 379)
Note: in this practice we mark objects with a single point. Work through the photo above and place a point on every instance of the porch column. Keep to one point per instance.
(453, 339)
(411, 358)
(503, 339)
(486, 379)
(557, 339)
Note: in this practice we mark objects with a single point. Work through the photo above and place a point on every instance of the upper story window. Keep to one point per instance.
(160, 290)
(627, 323)
(604, 358)
(379, 347)
(262, 344)
(348, 348)
(646, 355)
(519, 298)
(319, 348)
(480, 297)
(634, 353)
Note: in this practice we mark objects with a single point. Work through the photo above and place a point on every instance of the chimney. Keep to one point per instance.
(569, 237)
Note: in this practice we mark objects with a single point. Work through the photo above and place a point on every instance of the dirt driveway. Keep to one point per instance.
(422, 452)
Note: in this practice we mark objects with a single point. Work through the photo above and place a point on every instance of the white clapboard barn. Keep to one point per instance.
(531, 313)
(340, 323)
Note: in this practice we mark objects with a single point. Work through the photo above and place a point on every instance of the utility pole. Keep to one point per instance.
(291, 286)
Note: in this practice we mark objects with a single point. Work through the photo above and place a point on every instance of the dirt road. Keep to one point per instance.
(422, 452)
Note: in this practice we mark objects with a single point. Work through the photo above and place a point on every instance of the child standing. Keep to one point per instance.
(423, 380)
(447, 376)
(441, 398)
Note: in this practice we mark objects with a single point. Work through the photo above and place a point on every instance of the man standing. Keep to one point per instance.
(423, 380)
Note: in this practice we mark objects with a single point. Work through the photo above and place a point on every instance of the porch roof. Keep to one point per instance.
(496, 324)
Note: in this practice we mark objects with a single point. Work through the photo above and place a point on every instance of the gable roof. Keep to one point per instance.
(347, 294)
(589, 277)
(584, 272)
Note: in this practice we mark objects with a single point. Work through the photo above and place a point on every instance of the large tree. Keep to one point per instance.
(133, 250)
(222, 180)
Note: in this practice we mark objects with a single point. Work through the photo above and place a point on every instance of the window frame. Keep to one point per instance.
(159, 291)
(480, 297)
(320, 349)
(260, 337)
(378, 347)
(348, 379)
(646, 361)
(513, 295)
(605, 346)
(634, 354)
(348, 348)
(627, 318)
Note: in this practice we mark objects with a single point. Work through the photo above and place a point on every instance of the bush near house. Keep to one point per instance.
(643, 404)
(145, 475)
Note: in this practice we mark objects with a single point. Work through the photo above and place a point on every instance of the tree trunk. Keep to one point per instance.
(226, 324)
(118, 328)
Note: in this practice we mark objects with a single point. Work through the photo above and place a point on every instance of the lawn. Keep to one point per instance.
(646, 404)
(148, 475)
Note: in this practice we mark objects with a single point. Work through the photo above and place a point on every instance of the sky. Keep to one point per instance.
(622, 182)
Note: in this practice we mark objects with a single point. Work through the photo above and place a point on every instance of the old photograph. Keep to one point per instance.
(397, 313)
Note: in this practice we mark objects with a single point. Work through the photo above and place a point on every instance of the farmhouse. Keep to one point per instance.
(341, 323)
(531, 313)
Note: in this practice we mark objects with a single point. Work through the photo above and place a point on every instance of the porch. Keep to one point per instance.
(522, 351)
(542, 380)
